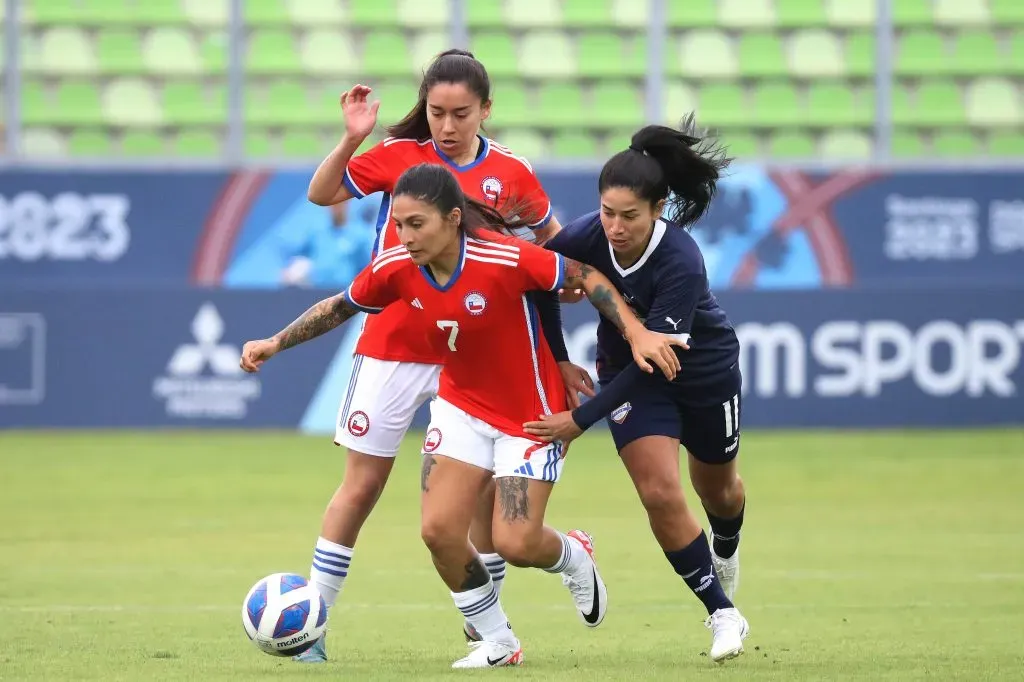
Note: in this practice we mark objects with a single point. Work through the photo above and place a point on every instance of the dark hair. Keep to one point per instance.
(685, 162)
(434, 184)
(451, 66)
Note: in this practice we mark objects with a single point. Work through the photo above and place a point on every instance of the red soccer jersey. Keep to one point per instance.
(497, 365)
(497, 177)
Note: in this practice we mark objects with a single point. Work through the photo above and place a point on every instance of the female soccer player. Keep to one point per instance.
(392, 374)
(468, 287)
(650, 194)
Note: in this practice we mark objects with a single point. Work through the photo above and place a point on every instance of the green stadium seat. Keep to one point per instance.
(426, 45)
(497, 52)
(266, 13)
(630, 14)
(776, 103)
(746, 13)
(89, 143)
(587, 14)
(907, 144)
(836, 104)
(424, 13)
(299, 143)
(742, 145)
(1006, 144)
(66, 50)
(955, 143)
(572, 144)
(791, 144)
(616, 104)
(159, 12)
(279, 103)
(1007, 12)
(851, 13)
(36, 106)
(142, 143)
(860, 54)
(188, 103)
(527, 13)
(851, 145)
(206, 12)
(547, 54)
(171, 51)
(920, 53)
(603, 54)
(993, 102)
(723, 105)
(761, 55)
(939, 103)
(106, 13)
(958, 13)
(385, 54)
(1017, 53)
(977, 53)
(53, 11)
(816, 53)
(706, 54)
(325, 107)
(119, 51)
(396, 100)
(272, 51)
(316, 12)
(328, 51)
(524, 142)
(214, 53)
(131, 102)
(198, 144)
(800, 13)
(30, 53)
(485, 14)
(78, 103)
(618, 141)
(258, 143)
(376, 13)
(510, 105)
(692, 14)
(912, 13)
(42, 142)
(677, 98)
(560, 105)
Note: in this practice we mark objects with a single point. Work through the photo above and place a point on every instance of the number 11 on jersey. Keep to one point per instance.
(453, 331)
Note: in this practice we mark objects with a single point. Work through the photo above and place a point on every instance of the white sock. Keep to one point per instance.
(482, 609)
(496, 567)
(573, 557)
(330, 568)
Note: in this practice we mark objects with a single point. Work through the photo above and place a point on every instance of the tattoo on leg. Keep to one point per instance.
(428, 464)
(513, 499)
(476, 575)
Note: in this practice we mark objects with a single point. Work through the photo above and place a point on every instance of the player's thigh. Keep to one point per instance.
(525, 472)
(380, 403)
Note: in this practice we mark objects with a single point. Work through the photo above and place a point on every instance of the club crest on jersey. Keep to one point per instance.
(358, 424)
(432, 441)
(475, 302)
(620, 413)
(491, 188)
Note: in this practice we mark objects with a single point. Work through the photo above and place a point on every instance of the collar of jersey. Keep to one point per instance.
(659, 232)
(455, 275)
(485, 147)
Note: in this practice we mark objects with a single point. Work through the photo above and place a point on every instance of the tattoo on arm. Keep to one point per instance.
(601, 297)
(319, 319)
(428, 465)
(512, 497)
(476, 575)
(575, 273)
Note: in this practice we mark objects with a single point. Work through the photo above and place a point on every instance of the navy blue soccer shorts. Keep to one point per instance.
(710, 431)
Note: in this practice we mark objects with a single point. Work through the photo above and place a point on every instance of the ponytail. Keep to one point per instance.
(660, 160)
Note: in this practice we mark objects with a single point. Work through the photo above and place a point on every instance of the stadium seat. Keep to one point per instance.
(300, 143)
(171, 51)
(975, 53)
(206, 12)
(633, 15)
(532, 13)
(860, 55)
(616, 104)
(510, 105)
(187, 103)
(278, 103)
(272, 51)
(920, 53)
(948, 143)
(498, 53)
(523, 142)
(328, 51)
(617, 141)
(761, 55)
(692, 14)
(316, 12)
(776, 103)
(560, 104)
(800, 13)
(705, 54)
(742, 145)
(42, 142)
(424, 13)
(36, 106)
(131, 102)
(1007, 12)
(53, 11)
(958, 13)
(485, 14)
(851, 13)
(603, 54)
(214, 53)
(376, 13)
(198, 144)
(939, 103)
(815, 53)
(142, 143)
(677, 98)
(573, 144)
(746, 13)
(992, 102)
(846, 144)
(546, 54)
(913, 12)
(396, 99)
(89, 143)
(723, 105)
(791, 144)
(325, 107)
(837, 104)
(77, 103)
(66, 50)
(258, 143)
(1017, 53)
(907, 144)
(426, 45)
(1006, 144)
(587, 14)
(266, 13)
(385, 54)
(119, 51)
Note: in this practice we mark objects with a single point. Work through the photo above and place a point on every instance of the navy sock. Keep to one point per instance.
(725, 533)
(693, 564)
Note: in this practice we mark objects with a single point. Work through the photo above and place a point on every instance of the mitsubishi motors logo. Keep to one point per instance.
(203, 379)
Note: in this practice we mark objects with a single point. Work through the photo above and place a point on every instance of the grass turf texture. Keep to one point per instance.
(884, 556)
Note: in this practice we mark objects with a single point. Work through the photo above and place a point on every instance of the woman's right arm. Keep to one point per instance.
(327, 186)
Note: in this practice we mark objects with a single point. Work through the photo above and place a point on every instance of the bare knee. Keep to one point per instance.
(518, 547)
(662, 498)
(439, 537)
(721, 496)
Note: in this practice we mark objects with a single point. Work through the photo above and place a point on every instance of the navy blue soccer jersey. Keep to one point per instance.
(668, 289)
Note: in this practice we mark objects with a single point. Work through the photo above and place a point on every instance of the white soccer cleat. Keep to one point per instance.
(491, 655)
(587, 588)
(728, 630)
(727, 570)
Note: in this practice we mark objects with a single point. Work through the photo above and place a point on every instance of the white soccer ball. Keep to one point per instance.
(284, 615)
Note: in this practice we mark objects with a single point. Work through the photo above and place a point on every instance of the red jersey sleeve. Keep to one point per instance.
(539, 269)
(371, 291)
(375, 170)
(531, 197)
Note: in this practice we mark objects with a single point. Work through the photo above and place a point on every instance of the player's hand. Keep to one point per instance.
(571, 295)
(255, 353)
(552, 427)
(360, 114)
(648, 345)
(577, 380)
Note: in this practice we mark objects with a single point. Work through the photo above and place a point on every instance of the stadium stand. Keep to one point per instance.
(782, 78)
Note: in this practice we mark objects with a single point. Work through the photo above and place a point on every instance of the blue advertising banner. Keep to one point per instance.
(159, 358)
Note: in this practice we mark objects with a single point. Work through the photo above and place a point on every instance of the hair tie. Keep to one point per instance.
(638, 149)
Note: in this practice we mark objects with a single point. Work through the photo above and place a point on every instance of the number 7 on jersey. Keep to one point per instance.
(453, 331)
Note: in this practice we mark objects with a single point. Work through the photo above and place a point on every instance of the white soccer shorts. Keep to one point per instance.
(381, 401)
(455, 434)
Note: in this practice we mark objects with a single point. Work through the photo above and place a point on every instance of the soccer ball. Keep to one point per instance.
(284, 615)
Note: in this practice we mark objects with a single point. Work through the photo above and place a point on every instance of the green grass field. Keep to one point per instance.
(125, 556)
